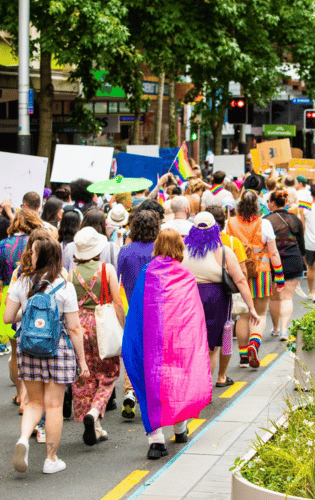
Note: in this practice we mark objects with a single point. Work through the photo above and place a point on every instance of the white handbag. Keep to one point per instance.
(109, 331)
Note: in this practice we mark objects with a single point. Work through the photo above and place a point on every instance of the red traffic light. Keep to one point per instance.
(310, 114)
(237, 103)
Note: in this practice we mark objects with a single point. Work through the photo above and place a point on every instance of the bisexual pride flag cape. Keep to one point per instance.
(165, 348)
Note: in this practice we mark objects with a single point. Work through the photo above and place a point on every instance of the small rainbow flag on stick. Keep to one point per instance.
(161, 195)
(123, 297)
(181, 163)
(305, 204)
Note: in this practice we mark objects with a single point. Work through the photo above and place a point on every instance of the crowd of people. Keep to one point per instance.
(172, 260)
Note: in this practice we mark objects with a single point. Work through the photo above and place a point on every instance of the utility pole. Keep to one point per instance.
(24, 137)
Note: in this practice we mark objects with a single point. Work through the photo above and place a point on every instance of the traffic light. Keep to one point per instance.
(309, 119)
(194, 136)
(239, 111)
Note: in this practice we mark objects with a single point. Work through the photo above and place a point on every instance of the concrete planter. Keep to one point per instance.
(244, 490)
(304, 363)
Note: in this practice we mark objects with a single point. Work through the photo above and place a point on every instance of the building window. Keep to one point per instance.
(113, 107)
(124, 108)
(100, 108)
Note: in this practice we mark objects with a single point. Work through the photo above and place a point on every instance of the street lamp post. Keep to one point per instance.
(24, 137)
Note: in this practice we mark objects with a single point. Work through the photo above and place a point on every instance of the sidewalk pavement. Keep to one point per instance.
(201, 469)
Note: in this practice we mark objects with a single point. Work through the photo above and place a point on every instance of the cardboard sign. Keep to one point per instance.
(88, 162)
(302, 166)
(232, 165)
(140, 166)
(144, 150)
(255, 160)
(20, 174)
(274, 151)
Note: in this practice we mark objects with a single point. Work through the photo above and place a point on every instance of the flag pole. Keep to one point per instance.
(175, 158)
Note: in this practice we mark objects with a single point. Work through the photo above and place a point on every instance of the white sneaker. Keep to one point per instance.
(284, 336)
(41, 434)
(51, 467)
(20, 457)
(101, 434)
(275, 332)
(311, 296)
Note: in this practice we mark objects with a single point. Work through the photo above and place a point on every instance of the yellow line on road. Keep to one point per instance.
(267, 359)
(193, 425)
(229, 393)
(126, 485)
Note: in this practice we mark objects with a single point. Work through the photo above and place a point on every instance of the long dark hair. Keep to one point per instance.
(51, 208)
(69, 225)
(48, 265)
(248, 207)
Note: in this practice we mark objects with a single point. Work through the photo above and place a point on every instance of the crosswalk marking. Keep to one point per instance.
(193, 425)
(267, 359)
(229, 393)
(126, 485)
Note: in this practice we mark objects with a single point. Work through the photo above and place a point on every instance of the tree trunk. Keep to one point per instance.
(159, 111)
(135, 129)
(216, 128)
(172, 113)
(46, 99)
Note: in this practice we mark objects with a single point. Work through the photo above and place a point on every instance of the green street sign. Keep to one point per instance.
(107, 90)
(280, 130)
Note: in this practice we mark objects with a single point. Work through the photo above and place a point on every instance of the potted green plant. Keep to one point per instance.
(302, 343)
(281, 465)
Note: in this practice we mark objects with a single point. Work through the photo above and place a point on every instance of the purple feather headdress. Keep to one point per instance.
(200, 241)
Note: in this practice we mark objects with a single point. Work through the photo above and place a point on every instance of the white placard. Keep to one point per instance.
(20, 174)
(88, 162)
(232, 165)
(144, 150)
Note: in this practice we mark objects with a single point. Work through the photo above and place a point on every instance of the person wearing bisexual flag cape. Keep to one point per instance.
(307, 214)
(144, 229)
(203, 255)
(165, 348)
(290, 244)
(217, 192)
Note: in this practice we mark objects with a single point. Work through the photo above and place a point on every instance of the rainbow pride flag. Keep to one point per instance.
(216, 188)
(165, 348)
(182, 165)
(305, 204)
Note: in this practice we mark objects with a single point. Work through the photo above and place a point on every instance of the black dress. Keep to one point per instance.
(290, 242)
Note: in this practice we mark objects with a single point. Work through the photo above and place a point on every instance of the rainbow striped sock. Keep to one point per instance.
(279, 276)
(243, 350)
(255, 339)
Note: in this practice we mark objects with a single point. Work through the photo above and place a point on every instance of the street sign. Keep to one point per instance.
(301, 100)
(31, 101)
(280, 130)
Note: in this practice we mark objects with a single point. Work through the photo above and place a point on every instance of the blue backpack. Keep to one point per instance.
(41, 327)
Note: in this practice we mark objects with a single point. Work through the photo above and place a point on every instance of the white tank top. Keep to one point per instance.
(206, 269)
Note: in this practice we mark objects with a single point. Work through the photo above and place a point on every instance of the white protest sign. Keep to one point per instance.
(88, 162)
(20, 174)
(232, 165)
(144, 150)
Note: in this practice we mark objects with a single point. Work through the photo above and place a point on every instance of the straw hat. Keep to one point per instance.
(204, 220)
(118, 215)
(89, 243)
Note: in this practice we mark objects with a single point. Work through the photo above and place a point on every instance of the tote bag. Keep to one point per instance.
(109, 331)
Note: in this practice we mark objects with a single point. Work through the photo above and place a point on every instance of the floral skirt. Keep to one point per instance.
(94, 391)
